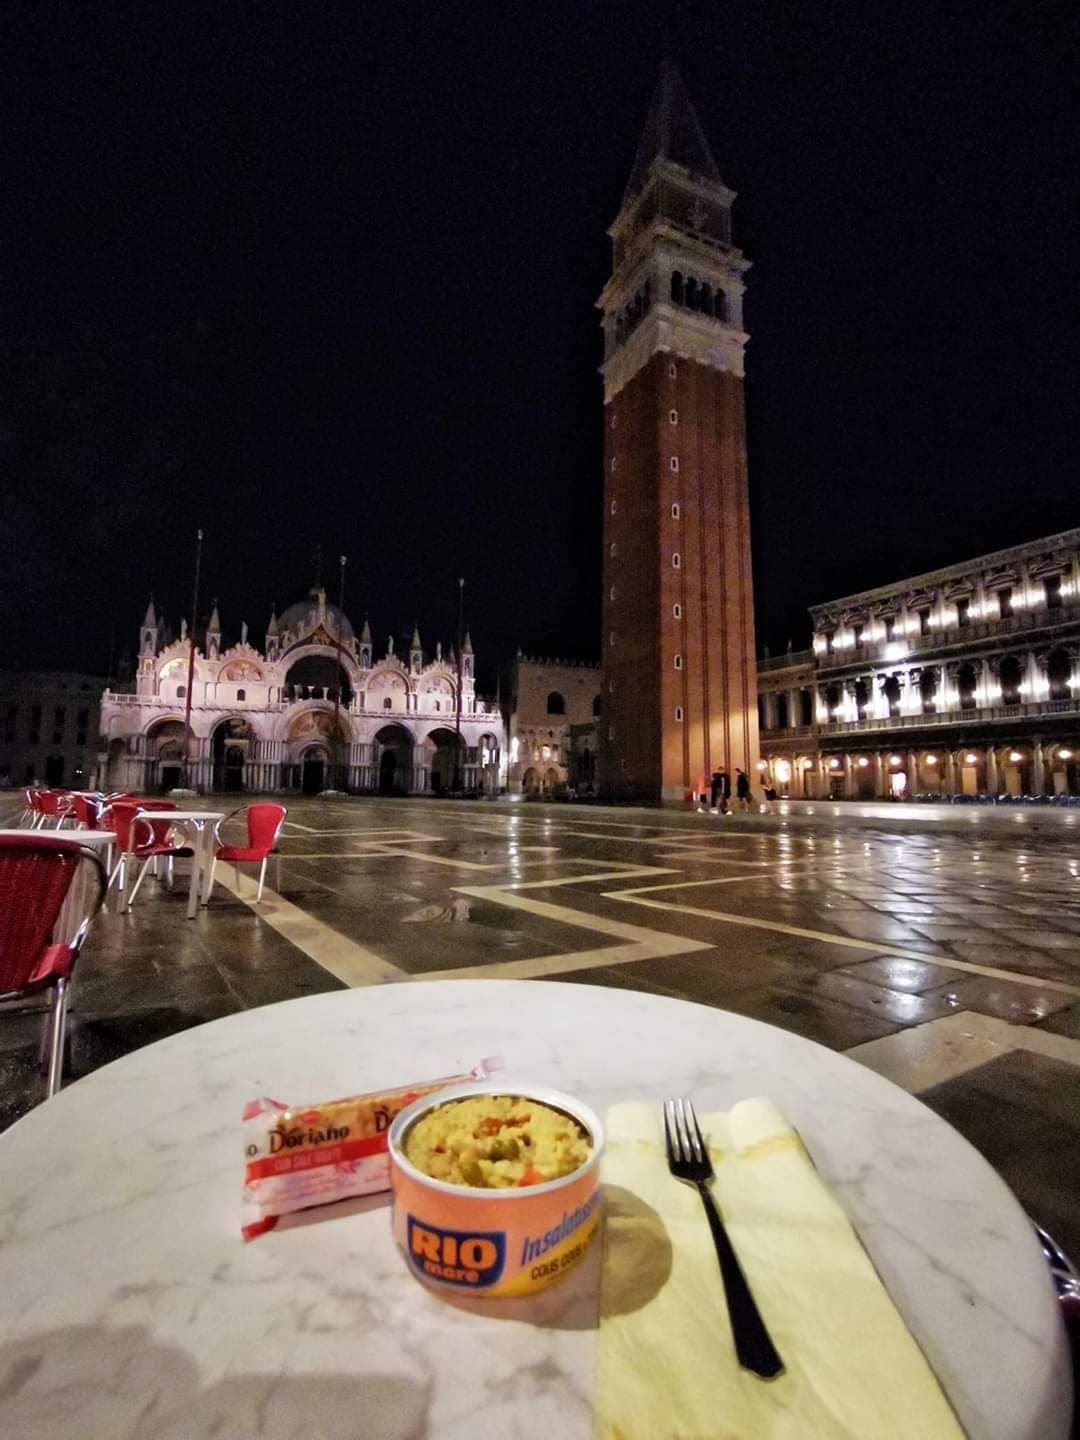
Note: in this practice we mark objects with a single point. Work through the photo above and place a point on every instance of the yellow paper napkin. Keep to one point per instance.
(667, 1364)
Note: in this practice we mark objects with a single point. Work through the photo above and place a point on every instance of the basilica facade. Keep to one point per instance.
(312, 710)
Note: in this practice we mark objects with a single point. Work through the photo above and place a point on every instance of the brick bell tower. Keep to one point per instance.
(679, 693)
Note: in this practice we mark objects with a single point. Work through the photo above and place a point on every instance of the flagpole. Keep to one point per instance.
(191, 656)
(458, 770)
(337, 687)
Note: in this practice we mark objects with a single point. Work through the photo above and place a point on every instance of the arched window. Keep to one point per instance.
(892, 694)
(181, 692)
(677, 288)
(241, 694)
(388, 703)
(1058, 672)
(1011, 676)
(782, 712)
(556, 705)
(928, 688)
(691, 293)
(596, 707)
(967, 682)
(720, 305)
(862, 697)
(705, 299)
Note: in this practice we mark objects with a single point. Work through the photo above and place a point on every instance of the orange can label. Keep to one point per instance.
(512, 1247)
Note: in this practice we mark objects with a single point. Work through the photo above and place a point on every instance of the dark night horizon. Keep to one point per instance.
(328, 279)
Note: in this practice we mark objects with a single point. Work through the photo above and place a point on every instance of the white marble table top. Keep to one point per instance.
(129, 1306)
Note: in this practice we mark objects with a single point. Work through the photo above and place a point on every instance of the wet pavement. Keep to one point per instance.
(939, 946)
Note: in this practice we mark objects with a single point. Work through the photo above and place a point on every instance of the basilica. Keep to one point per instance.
(312, 710)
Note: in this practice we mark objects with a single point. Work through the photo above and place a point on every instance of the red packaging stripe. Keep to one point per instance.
(286, 1164)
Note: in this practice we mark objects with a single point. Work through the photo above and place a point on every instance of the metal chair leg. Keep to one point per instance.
(44, 1045)
(262, 877)
(169, 872)
(138, 881)
(59, 1031)
(210, 879)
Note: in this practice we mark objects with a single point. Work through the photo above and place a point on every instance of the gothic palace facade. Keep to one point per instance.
(962, 681)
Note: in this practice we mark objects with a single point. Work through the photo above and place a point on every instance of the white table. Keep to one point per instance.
(130, 1307)
(202, 822)
(77, 900)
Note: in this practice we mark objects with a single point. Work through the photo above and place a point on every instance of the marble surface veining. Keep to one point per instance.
(129, 1307)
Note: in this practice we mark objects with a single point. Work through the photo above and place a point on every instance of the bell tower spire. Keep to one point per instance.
(680, 684)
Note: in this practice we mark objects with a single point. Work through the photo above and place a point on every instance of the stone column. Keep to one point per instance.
(880, 790)
(1034, 674)
(912, 768)
(849, 776)
(993, 785)
(1038, 772)
(950, 686)
(989, 692)
(949, 773)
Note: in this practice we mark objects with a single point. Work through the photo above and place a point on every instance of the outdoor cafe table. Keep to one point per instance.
(129, 1305)
(202, 822)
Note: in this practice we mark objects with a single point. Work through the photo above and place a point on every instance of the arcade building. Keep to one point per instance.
(962, 681)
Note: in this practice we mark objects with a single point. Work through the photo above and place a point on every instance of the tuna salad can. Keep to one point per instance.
(494, 1242)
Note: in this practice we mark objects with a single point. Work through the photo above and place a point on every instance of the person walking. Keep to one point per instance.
(717, 802)
(742, 790)
(769, 805)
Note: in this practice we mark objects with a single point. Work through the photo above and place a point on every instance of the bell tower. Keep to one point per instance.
(679, 676)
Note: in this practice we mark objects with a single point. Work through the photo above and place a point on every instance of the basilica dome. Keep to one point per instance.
(304, 615)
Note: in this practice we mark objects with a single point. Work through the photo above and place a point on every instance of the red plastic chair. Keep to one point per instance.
(264, 822)
(119, 817)
(36, 874)
(152, 840)
(53, 805)
(86, 810)
(29, 810)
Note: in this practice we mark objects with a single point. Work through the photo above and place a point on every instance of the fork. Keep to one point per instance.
(688, 1160)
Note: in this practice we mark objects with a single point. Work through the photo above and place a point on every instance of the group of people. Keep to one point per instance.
(720, 802)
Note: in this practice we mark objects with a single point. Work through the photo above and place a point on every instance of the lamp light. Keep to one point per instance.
(970, 759)
(762, 764)
(863, 762)
(931, 759)
(1065, 754)
(895, 760)
(1015, 757)
(834, 764)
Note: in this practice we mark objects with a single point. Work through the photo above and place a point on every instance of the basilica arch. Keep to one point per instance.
(232, 745)
(164, 751)
(393, 760)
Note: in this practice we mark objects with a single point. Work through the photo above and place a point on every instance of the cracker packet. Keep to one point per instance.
(295, 1158)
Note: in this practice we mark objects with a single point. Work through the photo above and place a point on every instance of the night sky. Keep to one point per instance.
(320, 274)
